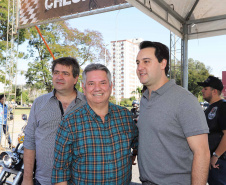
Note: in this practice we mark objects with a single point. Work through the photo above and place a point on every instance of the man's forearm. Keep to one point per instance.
(29, 160)
(222, 145)
(200, 168)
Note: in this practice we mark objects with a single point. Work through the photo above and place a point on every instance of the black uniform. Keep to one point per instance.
(216, 120)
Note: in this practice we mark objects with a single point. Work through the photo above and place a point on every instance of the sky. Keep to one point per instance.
(131, 23)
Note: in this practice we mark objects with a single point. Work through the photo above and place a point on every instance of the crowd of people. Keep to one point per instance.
(82, 138)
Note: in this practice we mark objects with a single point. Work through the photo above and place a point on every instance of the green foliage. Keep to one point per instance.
(4, 37)
(25, 97)
(79, 83)
(197, 72)
(138, 91)
(112, 99)
(126, 102)
(132, 98)
(64, 41)
(23, 94)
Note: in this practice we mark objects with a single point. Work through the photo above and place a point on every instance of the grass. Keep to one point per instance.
(22, 110)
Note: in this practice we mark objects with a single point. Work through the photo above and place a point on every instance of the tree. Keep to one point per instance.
(126, 102)
(197, 72)
(112, 99)
(138, 91)
(4, 26)
(64, 41)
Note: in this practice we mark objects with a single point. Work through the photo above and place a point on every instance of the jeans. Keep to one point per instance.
(218, 176)
(5, 130)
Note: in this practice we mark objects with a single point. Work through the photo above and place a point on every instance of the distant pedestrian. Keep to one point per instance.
(216, 119)
(3, 120)
(173, 145)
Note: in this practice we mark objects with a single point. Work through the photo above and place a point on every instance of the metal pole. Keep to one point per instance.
(170, 59)
(185, 56)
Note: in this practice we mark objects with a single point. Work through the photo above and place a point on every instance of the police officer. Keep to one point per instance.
(216, 120)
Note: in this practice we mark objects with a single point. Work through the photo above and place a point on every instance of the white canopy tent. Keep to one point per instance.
(189, 19)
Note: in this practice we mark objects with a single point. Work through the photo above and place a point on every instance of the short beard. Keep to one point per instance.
(207, 99)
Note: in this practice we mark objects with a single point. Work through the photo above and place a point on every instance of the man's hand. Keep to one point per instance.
(213, 162)
(133, 160)
(134, 154)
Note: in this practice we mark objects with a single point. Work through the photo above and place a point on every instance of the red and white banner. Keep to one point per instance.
(224, 83)
(33, 11)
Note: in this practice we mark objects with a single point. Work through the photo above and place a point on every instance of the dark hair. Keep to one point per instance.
(67, 61)
(95, 67)
(161, 51)
(144, 88)
(1, 96)
(218, 91)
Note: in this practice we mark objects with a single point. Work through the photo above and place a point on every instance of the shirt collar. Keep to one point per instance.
(162, 89)
(93, 113)
(79, 96)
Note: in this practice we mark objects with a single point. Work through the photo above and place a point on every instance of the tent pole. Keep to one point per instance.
(185, 56)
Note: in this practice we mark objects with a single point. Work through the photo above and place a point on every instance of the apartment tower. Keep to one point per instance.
(124, 78)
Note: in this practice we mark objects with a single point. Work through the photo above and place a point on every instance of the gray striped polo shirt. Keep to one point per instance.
(40, 132)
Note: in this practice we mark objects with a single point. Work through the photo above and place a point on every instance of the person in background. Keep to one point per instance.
(135, 110)
(3, 120)
(46, 114)
(93, 143)
(173, 143)
(216, 120)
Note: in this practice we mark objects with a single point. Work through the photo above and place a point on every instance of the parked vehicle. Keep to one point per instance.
(12, 161)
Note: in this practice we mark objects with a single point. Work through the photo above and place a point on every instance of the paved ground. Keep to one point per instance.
(135, 176)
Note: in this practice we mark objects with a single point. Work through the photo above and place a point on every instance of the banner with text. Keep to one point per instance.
(224, 84)
(33, 11)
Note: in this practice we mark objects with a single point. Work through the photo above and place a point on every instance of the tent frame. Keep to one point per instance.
(164, 13)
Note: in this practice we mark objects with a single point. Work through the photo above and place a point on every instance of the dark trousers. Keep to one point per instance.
(36, 182)
(5, 129)
(218, 176)
(148, 183)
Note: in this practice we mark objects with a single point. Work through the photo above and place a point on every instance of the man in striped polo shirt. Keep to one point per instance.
(46, 113)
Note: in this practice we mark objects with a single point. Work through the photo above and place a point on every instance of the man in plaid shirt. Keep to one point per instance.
(93, 143)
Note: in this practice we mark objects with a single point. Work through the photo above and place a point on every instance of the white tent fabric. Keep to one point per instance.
(197, 18)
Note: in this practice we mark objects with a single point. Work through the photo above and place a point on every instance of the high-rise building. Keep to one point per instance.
(124, 77)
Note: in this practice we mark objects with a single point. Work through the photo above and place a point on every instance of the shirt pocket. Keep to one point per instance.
(122, 142)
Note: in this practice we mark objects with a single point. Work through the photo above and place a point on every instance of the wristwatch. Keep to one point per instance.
(214, 154)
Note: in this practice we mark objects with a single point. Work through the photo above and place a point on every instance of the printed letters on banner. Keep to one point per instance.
(33, 11)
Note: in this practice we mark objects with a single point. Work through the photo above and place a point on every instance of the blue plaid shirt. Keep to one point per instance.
(88, 151)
